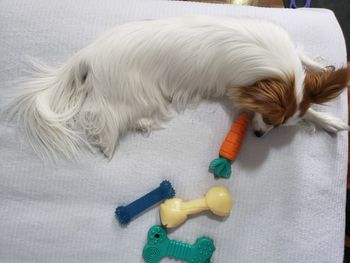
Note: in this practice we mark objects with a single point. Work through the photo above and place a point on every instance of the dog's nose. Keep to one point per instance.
(259, 133)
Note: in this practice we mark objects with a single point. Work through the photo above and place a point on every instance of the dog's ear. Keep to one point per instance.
(321, 87)
(274, 99)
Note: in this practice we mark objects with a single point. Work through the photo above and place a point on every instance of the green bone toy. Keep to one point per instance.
(160, 246)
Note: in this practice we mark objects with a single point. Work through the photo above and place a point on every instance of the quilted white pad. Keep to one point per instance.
(289, 187)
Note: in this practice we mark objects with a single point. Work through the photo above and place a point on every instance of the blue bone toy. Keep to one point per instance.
(124, 214)
(160, 246)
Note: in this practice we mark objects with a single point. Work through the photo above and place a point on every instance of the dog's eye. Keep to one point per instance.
(267, 121)
(273, 122)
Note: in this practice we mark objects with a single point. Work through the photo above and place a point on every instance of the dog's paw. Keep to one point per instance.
(146, 125)
(320, 62)
(325, 121)
(316, 66)
(332, 124)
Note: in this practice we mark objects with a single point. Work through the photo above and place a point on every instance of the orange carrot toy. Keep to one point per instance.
(230, 147)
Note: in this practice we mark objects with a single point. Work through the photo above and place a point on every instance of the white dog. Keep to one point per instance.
(129, 78)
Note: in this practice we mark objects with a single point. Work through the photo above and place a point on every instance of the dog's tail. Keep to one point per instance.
(61, 113)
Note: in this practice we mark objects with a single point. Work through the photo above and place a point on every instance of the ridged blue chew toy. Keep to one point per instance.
(221, 166)
(125, 214)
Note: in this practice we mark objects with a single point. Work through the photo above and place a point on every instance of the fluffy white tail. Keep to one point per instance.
(61, 113)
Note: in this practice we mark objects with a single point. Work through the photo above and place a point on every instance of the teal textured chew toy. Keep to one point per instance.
(160, 246)
(221, 167)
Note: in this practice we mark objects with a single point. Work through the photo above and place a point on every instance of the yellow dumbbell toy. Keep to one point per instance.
(174, 212)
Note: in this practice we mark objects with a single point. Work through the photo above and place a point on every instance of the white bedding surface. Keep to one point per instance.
(289, 187)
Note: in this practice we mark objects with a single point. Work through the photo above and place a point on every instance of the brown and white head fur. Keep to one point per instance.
(278, 102)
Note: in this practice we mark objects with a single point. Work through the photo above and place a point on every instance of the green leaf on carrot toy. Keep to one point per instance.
(221, 167)
(230, 147)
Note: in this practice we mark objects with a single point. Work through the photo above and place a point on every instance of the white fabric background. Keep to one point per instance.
(289, 187)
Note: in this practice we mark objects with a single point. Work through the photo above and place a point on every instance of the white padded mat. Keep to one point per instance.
(289, 187)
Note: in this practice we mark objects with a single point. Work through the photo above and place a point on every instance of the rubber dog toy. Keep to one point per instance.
(174, 212)
(160, 246)
(124, 214)
(230, 147)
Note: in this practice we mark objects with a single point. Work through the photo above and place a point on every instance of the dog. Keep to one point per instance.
(131, 77)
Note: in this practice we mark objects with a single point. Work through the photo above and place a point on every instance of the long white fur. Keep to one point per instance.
(128, 78)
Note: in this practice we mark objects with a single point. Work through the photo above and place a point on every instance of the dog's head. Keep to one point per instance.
(278, 102)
